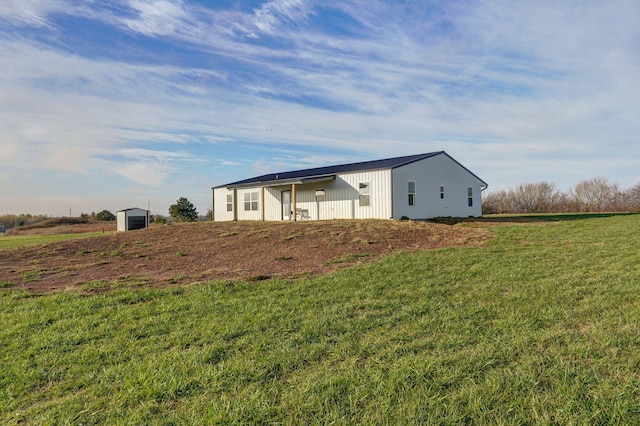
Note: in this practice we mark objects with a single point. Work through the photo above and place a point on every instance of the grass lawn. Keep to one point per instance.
(15, 241)
(539, 326)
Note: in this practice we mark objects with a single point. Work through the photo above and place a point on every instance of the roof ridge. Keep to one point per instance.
(384, 163)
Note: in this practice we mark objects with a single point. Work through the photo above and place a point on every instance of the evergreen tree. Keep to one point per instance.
(183, 211)
(105, 216)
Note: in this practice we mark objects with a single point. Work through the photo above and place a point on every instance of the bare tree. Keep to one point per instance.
(594, 194)
(541, 197)
(496, 203)
(538, 197)
(632, 198)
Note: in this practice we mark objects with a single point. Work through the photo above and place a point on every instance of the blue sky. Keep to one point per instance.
(122, 103)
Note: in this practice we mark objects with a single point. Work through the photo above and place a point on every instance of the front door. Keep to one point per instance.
(286, 205)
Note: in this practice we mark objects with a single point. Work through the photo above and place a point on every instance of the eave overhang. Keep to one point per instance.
(282, 182)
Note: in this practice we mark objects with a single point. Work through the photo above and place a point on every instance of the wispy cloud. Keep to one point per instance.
(158, 17)
(30, 12)
(275, 14)
(501, 84)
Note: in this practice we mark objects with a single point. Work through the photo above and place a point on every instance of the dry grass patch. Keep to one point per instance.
(229, 251)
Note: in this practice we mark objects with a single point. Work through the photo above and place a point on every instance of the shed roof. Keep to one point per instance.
(132, 208)
(328, 172)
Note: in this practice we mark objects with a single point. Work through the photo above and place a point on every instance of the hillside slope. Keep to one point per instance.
(199, 252)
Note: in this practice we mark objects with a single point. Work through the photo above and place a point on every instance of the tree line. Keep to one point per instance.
(592, 195)
(182, 211)
(18, 220)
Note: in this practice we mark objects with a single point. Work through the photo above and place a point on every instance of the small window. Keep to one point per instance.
(412, 192)
(442, 192)
(470, 196)
(320, 195)
(363, 188)
(251, 201)
(229, 202)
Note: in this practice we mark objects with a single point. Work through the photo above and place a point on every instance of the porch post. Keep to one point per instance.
(235, 205)
(293, 201)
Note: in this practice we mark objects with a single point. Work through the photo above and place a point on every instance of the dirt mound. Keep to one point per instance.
(199, 252)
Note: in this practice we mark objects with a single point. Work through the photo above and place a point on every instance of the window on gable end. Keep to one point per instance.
(411, 189)
(229, 202)
(363, 189)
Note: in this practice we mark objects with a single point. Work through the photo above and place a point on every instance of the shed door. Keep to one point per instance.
(286, 205)
(136, 222)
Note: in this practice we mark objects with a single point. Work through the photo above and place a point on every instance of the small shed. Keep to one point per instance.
(130, 219)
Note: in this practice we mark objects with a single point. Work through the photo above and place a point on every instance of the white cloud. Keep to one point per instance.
(157, 17)
(30, 12)
(149, 153)
(276, 13)
(147, 173)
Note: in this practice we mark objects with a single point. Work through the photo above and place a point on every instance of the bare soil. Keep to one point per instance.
(200, 252)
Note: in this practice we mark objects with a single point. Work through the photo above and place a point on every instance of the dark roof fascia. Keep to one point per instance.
(292, 176)
(279, 182)
(132, 208)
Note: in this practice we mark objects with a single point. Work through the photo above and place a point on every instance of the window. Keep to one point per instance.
(442, 192)
(470, 196)
(320, 195)
(229, 202)
(363, 188)
(412, 192)
(251, 201)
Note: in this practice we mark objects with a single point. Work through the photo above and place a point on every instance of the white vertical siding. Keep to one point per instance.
(341, 199)
(273, 201)
(348, 206)
(220, 212)
(121, 220)
(248, 214)
(430, 174)
(388, 193)
(220, 204)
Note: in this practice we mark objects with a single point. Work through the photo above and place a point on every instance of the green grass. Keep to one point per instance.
(15, 241)
(539, 327)
(347, 258)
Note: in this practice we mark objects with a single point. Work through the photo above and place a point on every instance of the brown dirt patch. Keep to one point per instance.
(200, 252)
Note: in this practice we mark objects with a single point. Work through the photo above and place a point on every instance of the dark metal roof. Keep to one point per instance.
(132, 208)
(328, 172)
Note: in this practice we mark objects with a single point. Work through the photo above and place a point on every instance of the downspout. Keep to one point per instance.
(392, 200)
(262, 203)
(482, 189)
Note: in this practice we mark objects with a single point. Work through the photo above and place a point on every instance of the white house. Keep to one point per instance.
(419, 186)
(130, 219)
